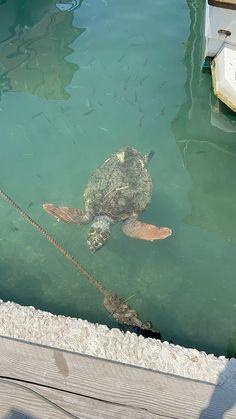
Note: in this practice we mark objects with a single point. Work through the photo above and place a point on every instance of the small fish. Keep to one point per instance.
(161, 113)
(88, 112)
(142, 80)
(91, 61)
(41, 114)
(13, 229)
(162, 84)
(121, 58)
(140, 108)
(104, 129)
(36, 115)
(141, 121)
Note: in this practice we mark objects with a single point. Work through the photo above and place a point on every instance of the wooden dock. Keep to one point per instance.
(47, 383)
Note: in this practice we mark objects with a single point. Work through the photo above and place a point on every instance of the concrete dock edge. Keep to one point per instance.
(72, 334)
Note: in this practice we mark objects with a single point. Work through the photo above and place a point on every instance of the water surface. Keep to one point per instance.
(78, 85)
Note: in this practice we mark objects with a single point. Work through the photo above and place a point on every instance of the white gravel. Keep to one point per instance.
(78, 335)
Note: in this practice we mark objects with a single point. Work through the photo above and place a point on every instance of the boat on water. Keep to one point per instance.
(220, 48)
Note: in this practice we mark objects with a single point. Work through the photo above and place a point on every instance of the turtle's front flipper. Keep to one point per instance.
(71, 215)
(134, 228)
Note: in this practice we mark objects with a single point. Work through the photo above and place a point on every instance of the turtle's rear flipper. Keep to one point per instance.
(70, 215)
(137, 230)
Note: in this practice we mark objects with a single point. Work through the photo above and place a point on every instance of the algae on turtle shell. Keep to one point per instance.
(118, 191)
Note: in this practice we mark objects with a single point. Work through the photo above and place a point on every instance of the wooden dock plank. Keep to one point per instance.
(31, 399)
(17, 402)
(125, 386)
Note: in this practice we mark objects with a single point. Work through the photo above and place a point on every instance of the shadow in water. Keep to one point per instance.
(33, 48)
(14, 278)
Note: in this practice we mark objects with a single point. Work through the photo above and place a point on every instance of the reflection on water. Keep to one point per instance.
(208, 153)
(33, 56)
(69, 6)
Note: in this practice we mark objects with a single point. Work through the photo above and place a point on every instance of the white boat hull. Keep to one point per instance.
(218, 23)
(220, 48)
(223, 69)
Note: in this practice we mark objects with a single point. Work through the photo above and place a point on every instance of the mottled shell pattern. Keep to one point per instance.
(120, 187)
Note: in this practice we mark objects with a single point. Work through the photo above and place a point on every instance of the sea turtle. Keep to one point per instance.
(119, 190)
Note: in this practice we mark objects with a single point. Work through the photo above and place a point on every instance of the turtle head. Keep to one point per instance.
(99, 232)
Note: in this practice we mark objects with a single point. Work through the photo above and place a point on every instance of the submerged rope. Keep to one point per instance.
(64, 252)
(114, 304)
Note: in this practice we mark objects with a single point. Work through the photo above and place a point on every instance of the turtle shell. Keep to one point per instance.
(120, 187)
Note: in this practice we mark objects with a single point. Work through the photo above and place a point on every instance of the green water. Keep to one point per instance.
(76, 86)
